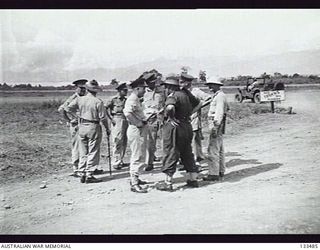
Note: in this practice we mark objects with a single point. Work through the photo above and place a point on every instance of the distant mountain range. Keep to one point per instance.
(302, 62)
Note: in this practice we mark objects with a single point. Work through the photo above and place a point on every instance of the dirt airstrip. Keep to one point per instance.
(271, 186)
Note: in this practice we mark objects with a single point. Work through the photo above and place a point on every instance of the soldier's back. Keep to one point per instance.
(89, 106)
(183, 105)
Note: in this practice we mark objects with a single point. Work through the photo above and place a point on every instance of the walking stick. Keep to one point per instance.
(109, 154)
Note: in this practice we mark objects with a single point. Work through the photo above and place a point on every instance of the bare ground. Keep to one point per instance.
(271, 186)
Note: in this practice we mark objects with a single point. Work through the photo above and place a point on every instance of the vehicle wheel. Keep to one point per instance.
(256, 97)
(238, 98)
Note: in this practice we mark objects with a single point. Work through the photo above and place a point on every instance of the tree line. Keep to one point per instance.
(295, 78)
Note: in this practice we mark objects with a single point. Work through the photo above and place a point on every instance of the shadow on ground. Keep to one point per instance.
(236, 176)
(247, 172)
(231, 154)
(236, 162)
(124, 173)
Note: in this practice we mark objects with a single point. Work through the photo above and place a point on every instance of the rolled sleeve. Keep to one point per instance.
(102, 114)
(134, 113)
(67, 102)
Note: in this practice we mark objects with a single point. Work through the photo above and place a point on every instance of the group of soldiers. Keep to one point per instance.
(169, 108)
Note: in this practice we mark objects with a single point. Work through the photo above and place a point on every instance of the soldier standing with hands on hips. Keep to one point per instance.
(217, 122)
(91, 113)
(177, 133)
(137, 133)
(74, 123)
(119, 125)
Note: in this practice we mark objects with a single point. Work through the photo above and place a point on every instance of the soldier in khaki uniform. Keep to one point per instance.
(91, 113)
(153, 102)
(119, 125)
(217, 121)
(74, 123)
(137, 133)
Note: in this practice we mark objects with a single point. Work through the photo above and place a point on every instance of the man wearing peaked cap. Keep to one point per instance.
(185, 77)
(91, 113)
(177, 134)
(171, 79)
(122, 86)
(137, 133)
(74, 123)
(150, 76)
(80, 82)
(140, 82)
(217, 122)
(119, 124)
(153, 102)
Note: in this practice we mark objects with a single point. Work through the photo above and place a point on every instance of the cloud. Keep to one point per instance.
(45, 51)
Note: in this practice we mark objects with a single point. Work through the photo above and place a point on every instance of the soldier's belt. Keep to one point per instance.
(88, 121)
(118, 114)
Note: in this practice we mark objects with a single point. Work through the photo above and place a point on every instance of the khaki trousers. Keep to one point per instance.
(119, 136)
(137, 139)
(90, 136)
(152, 142)
(216, 163)
(197, 144)
(74, 132)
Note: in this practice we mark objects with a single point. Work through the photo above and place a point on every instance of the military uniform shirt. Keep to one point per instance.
(116, 105)
(67, 102)
(133, 111)
(90, 108)
(152, 102)
(184, 103)
(218, 107)
(195, 118)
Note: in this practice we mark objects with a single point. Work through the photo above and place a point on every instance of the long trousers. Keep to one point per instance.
(119, 136)
(216, 157)
(197, 144)
(90, 136)
(152, 141)
(137, 139)
(74, 132)
(176, 145)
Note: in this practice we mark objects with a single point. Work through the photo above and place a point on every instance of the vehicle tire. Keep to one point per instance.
(256, 97)
(238, 97)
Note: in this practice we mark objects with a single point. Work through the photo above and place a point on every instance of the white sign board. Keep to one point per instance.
(275, 95)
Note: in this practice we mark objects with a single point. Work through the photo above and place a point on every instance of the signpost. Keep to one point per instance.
(272, 96)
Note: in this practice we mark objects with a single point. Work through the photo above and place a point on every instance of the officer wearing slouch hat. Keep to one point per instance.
(177, 133)
(137, 133)
(217, 122)
(119, 124)
(91, 113)
(153, 102)
(74, 123)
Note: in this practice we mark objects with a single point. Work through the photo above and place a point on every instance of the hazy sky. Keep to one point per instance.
(114, 38)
